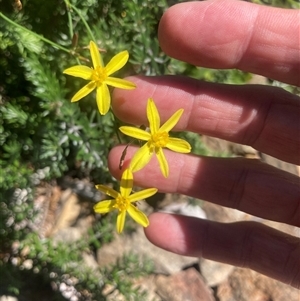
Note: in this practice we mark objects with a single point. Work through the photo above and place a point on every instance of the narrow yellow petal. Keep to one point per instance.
(153, 116)
(79, 71)
(95, 54)
(120, 83)
(121, 221)
(138, 216)
(84, 91)
(171, 122)
(135, 132)
(117, 62)
(163, 163)
(104, 206)
(126, 183)
(143, 194)
(107, 190)
(141, 158)
(103, 99)
(179, 145)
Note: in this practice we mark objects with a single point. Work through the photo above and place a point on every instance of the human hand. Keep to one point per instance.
(254, 38)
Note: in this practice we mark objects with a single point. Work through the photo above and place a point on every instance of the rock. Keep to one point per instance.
(292, 168)
(83, 188)
(258, 79)
(8, 298)
(90, 261)
(70, 210)
(245, 285)
(165, 262)
(214, 272)
(73, 220)
(185, 209)
(186, 285)
(67, 235)
(47, 202)
(220, 146)
(148, 284)
(222, 214)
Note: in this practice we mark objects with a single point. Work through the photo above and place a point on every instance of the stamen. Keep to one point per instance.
(160, 139)
(99, 75)
(121, 203)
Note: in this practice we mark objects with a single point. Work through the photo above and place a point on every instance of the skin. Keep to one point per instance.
(250, 37)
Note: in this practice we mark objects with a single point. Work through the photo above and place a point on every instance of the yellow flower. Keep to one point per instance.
(99, 77)
(157, 139)
(124, 202)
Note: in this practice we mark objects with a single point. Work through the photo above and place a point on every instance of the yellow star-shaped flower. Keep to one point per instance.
(124, 201)
(157, 139)
(99, 77)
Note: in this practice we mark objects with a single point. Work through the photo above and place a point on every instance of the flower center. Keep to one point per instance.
(121, 203)
(99, 75)
(160, 139)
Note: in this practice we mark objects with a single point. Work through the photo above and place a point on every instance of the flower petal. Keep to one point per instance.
(140, 158)
(138, 216)
(141, 195)
(107, 190)
(171, 122)
(121, 221)
(179, 145)
(103, 99)
(117, 62)
(126, 183)
(84, 91)
(79, 71)
(153, 116)
(104, 206)
(95, 54)
(135, 132)
(120, 83)
(163, 163)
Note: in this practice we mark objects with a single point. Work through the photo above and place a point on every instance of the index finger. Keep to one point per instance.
(234, 34)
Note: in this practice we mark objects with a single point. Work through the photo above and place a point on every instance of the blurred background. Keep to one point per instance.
(53, 152)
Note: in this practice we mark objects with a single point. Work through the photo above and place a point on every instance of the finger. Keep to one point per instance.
(234, 34)
(244, 184)
(245, 244)
(266, 118)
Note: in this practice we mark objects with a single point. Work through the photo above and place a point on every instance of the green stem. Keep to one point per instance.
(116, 125)
(83, 21)
(33, 33)
(92, 37)
(68, 6)
(71, 30)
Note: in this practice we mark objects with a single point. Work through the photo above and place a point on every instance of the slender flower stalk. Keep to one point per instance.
(124, 201)
(34, 34)
(157, 139)
(99, 77)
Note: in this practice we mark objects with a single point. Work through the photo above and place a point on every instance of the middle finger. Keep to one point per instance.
(264, 117)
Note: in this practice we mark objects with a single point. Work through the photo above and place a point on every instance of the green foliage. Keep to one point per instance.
(28, 129)
(133, 26)
(63, 266)
(280, 3)
(102, 231)
(43, 136)
(130, 266)
(16, 211)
